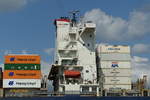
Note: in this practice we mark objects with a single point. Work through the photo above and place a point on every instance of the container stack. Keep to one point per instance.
(22, 71)
(114, 66)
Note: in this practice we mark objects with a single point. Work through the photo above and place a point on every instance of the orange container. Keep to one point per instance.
(22, 59)
(22, 74)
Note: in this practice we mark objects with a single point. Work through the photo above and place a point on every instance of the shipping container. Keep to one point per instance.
(116, 72)
(23, 92)
(22, 66)
(115, 57)
(117, 80)
(118, 86)
(22, 74)
(115, 64)
(22, 83)
(22, 59)
(113, 49)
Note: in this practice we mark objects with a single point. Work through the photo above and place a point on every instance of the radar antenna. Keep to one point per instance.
(74, 17)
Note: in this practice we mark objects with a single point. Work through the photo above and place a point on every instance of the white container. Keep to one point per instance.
(109, 64)
(113, 49)
(128, 87)
(21, 83)
(116, 72)
(115, 57)
(114, 66)
(117, 80)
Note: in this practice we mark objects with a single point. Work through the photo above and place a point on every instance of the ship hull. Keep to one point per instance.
(78, 98)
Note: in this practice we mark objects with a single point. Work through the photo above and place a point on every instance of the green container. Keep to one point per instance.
(22, 66)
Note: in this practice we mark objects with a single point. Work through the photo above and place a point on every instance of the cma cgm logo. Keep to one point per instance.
(114, 64)
(11, 73)
(12, 59)
(11, 83)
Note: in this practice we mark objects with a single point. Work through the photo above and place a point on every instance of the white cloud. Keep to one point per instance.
(117, 28)
(49, 51)
(24, 52)
(140, 59)
(141, 48)
(12, 5)
(7, 52)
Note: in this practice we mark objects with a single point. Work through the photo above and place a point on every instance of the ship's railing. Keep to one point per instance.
(66, 93)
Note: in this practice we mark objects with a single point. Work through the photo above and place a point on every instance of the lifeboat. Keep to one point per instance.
(72, 74)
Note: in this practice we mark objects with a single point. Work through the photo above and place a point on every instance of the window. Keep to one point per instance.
(90, 36)
(87, 71)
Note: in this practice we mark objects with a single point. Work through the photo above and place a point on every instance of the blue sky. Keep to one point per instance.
(26, 26)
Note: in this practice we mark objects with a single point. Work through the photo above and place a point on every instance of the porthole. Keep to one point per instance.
(87, 71)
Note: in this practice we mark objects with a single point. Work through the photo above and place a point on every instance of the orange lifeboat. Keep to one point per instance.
(72, 74)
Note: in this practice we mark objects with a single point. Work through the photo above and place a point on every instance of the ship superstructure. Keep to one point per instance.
(82, 68)
(74, 71)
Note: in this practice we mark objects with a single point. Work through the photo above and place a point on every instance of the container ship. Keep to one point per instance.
(82, 69)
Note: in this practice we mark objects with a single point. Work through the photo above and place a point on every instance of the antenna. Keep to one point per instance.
(74, 16)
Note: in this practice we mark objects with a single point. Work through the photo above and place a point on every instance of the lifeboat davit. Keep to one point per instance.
(72, 74)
